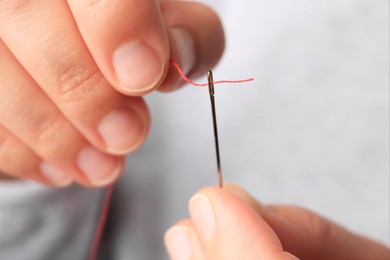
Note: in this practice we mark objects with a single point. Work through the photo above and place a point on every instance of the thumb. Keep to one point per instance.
(223, 226)
(309, 236)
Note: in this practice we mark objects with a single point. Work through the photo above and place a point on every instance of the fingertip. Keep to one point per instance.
(177, 242)
(100, 169)
(184, 232)
(241, 193)
(219, 215)
(196, 40)
(237, 191)
(138, 67)
(124, 130)
(203, 215)
(128, 42)
(208, 191)
(203, 24)
(229, 189)
(55, 175)
(185, 48)
(183, 53)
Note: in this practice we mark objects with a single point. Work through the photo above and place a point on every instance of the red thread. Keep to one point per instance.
(174, 63)
(94, 248)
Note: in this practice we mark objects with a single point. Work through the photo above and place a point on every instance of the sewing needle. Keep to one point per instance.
(212, 99)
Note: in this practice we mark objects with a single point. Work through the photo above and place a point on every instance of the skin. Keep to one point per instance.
(239, 227)
(72, 75)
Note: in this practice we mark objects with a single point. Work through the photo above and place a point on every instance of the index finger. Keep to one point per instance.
(127, 39)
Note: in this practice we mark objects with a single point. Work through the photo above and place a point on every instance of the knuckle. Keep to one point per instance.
(47, 135)
(77, 82)
(57, 140)
(12, 152)
(91, 4)
(15, 6)
(95, 9)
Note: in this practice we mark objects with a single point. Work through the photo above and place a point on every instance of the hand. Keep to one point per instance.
(229, 224)
(71, 74)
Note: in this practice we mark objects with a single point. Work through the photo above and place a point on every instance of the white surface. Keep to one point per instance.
(311, 130)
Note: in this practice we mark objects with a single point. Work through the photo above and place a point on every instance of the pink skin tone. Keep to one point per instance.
(230, 224)
(73, 73)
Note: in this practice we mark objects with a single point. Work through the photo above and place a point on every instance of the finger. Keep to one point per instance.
(20, 162)
(45, 39)
(318, 238)
(27, 113)
(196, 37)
(135, 58)
(230, 229)
(310, 236)
(182, 242)
(128, 40)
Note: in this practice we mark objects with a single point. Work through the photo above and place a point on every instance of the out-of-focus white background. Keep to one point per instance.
(312, 129)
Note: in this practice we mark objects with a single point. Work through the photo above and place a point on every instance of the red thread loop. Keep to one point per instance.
(174, 63)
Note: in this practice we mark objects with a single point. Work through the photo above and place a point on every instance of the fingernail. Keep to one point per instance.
(202, 215)
(98, 167)
(55, 175)
(138, 66)
(122, 131)
(177, 242)
(185, 46)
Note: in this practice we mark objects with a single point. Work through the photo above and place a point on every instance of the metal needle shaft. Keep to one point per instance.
(212, 99)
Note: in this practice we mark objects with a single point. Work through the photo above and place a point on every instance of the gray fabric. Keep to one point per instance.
(39, 223)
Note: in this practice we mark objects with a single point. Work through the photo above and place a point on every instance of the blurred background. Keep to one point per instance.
(311, 130)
